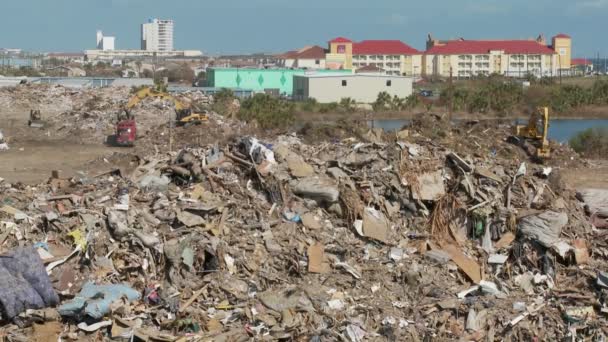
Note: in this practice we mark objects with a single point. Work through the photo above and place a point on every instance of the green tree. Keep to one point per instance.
(412, 101)
(267, 111)
(397, 103)
(382, 102)
(591, 143)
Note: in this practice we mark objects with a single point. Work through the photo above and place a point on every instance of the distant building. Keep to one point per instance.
(105, 43)
(309, 57)
(67, 71)
(260, 80)
(12, 52)
(111, 55)
(393, 56)
(581, 65)
(75, 57)
(514, 58)
(363, 88)
(157, 35)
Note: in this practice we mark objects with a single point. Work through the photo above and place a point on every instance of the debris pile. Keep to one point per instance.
(89, 115)
(399, 239)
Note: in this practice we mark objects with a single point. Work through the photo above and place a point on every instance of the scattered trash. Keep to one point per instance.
(94, 301)
(423, 238)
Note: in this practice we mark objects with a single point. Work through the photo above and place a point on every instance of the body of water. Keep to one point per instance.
(559, 129)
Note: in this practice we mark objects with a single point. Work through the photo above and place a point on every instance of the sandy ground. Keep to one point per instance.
(594, 176)
(34, 154)
(32, 162)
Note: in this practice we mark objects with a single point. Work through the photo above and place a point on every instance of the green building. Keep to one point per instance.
(260, 80)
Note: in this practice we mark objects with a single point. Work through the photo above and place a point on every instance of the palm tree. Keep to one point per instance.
(397, 103)
(382, 101)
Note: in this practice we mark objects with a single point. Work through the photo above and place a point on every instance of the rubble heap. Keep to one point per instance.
(393, 237)
(89, 115)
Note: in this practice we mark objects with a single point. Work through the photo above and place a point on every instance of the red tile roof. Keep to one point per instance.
(288, 55)
(313, 52)
(580, 61)
(340, 40)
(369, 68)
(454, 47)
(562, 35)
(383, 47)
(309, 52)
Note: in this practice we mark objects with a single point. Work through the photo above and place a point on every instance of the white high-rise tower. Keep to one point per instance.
(157, 35)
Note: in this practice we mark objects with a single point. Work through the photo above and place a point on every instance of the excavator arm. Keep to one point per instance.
(149, 92)
(184, 114)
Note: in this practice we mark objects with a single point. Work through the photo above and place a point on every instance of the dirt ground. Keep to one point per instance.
(34, 154)
(32, 162)
(593, 176)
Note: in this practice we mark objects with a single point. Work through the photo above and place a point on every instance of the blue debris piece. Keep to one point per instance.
(94, 300)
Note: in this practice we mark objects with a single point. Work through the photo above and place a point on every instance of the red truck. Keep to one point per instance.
(126, 132)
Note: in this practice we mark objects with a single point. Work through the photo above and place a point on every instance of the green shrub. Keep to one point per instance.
(222, 101)
(412, 101)
(328, 107)
(347, 104)
(592, 142)
(268, 111)
(309, 105)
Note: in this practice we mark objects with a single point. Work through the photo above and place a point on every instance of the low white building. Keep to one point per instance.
(107, 55)
(363, 88)
(105, 42)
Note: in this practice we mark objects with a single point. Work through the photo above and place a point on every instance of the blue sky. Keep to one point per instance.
(238, 26)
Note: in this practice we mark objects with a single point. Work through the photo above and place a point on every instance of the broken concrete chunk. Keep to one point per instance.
(375, 225)
(189, 219)
(337, 173)
(281, 151)
(117, 220)
(403, 134)
(286, 299)
(430, 186)
(154, 183)
(310, 221)
(319, 189)
(596, 200)
(437, 255)
(545, 228)
(298, 167)
(497, 259)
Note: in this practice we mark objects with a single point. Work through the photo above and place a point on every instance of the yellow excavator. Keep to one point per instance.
(184, 115)
(537, 130)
